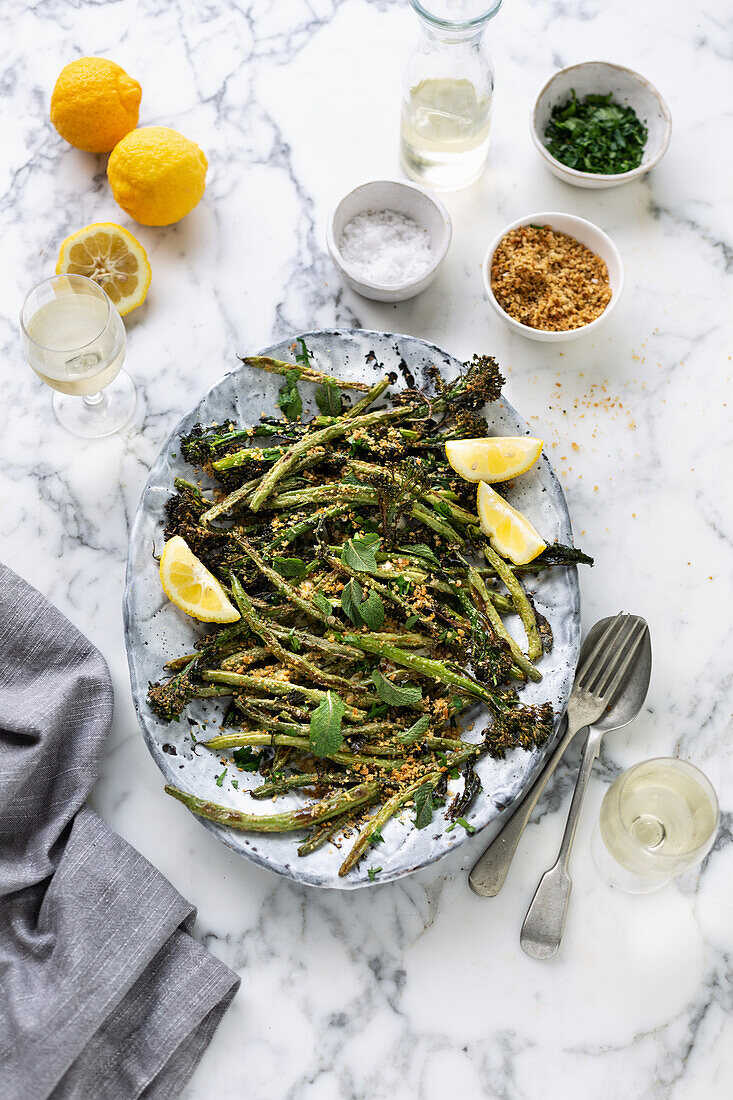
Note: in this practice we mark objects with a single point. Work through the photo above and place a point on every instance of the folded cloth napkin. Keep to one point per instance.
(104, 994)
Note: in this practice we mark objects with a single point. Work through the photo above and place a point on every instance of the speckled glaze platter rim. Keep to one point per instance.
(514, 774)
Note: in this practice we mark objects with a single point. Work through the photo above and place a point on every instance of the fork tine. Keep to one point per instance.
(613, 649)
(607, 690)
(599, 654)
(614, 654)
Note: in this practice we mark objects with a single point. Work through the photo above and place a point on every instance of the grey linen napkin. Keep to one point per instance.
(104, 994)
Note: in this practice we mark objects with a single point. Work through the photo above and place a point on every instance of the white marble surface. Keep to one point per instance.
(416, 989)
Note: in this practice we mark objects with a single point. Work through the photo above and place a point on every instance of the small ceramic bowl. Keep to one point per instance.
(589, 235)
(405, 198)
(627, 88)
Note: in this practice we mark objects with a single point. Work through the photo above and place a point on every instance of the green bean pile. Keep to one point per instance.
(371, 607)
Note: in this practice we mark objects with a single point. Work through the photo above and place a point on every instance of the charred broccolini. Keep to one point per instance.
(371, 605)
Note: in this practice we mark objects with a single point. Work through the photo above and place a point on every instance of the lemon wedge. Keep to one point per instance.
(112, 257)
(496, 459)
(510, 533)
(190, 585)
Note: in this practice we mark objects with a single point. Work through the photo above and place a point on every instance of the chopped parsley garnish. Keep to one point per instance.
(247, 760)
(470, 829)
(289, 398)
(595, 134)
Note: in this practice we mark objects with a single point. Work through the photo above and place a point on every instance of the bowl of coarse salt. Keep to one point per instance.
(388, 239)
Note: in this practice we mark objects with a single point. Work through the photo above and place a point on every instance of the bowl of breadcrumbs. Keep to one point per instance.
(553, 276)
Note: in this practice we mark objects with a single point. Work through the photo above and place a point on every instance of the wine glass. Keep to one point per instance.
(74, 339)
(657, 820)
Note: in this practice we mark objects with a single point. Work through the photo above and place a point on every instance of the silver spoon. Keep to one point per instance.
(545, 921)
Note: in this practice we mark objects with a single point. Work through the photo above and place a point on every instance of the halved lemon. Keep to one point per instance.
(189, 585)
(510, 533)
(112, 257)
(496, 459)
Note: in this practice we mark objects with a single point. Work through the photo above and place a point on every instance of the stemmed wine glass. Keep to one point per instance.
(74, 339)
(657, 820)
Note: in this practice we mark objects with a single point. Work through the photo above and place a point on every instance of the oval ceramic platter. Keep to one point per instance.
(156, 631)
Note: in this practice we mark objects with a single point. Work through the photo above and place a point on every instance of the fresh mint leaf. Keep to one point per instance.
(235, 784)
(372, 611)
(289, 567)
(325, 725)
(470, 829)
(376, 710)
(328, 399)
(322, 603)
(369, 611)
(373, 872)
(352, 595)
(396, 695)
(220, 778)
(376, 837)
(411, 620)
(415, 732)
(426, 803)
(420, 550)
(289, 398)
(360, 553)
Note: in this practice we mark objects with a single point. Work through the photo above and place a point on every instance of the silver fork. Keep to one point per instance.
(545, 921)
(490, 869)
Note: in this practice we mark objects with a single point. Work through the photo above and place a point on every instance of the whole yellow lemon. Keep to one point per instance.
(157, 175)
(94, 104)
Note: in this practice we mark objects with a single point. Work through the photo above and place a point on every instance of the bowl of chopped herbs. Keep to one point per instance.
(600, 125)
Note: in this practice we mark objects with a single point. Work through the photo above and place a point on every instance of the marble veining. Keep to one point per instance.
(415, 989)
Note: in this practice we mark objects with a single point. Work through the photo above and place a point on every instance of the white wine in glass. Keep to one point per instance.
(657, 820)
(74, 339)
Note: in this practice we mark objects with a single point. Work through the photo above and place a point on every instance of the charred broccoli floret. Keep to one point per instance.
(526, 725)
(557, 554)
(203, 444)
(168, 699)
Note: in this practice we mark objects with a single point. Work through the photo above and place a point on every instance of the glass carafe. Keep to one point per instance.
(447, 94)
